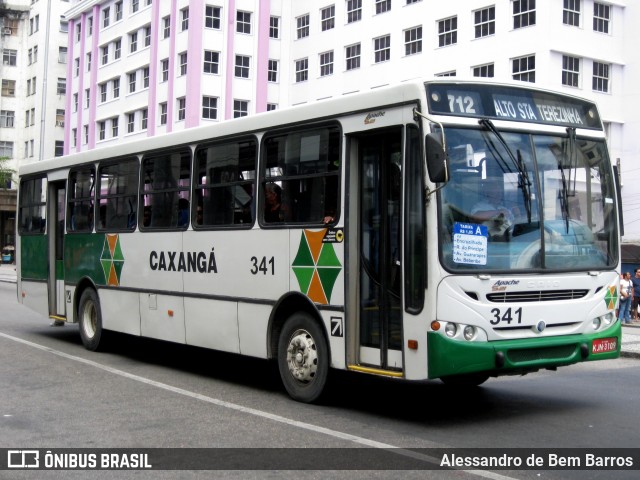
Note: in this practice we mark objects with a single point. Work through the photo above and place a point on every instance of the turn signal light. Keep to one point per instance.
(435, 325)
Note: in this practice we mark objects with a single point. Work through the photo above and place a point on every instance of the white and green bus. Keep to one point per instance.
(427, 230)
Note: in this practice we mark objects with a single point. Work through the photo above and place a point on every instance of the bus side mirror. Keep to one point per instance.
(436, 159)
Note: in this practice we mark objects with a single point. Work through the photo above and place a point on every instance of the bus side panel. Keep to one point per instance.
(212, 324)
(253, 320)
(34, 258)
(34, 296)
(120, 311)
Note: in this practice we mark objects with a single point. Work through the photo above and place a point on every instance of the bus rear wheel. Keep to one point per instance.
(90, 319)
(303, 358)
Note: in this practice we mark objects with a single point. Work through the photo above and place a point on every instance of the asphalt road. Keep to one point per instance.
(150, 394)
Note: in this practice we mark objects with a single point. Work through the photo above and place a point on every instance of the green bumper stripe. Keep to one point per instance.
(453, 357)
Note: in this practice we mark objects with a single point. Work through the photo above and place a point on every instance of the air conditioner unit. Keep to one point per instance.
(59, 123)
(6, 31)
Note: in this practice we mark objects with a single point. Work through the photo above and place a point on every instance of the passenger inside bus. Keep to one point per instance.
(273, 211)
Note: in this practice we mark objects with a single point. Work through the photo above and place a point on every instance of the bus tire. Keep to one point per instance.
(90, 320)
(303, 358)
(466, 380)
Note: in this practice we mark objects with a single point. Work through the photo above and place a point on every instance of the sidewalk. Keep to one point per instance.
(630, 333)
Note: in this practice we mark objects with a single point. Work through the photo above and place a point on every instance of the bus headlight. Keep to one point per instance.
(451, 329)
(608, 319)
(596, 323)
(469, 332)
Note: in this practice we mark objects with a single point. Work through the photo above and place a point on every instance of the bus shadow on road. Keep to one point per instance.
(429, 402)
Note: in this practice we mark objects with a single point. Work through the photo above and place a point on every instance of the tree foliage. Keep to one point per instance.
(6, 173)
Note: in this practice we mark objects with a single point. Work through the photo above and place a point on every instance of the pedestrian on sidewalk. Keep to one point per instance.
(636, 295)
(626, 298)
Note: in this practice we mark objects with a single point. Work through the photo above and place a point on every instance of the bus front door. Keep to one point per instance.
(56, 213)
(379, 237)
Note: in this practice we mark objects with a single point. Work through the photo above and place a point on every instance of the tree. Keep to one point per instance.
(6, 173)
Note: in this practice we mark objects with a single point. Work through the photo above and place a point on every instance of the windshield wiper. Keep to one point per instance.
(524, 183)
(568, 190)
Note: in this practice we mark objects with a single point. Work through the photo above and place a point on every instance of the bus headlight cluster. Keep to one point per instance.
(603, 322)
(459, 331)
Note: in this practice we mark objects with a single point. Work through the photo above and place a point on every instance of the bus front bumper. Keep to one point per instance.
(504, 357)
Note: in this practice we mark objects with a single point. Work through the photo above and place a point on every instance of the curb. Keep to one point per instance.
(624, 354)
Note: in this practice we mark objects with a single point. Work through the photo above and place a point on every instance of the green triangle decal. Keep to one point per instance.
(118, 264)
(328, 257)
(328, 278)
(117, 255)
(106, 267)
(106, 254)
(303, 257)
(304, 275)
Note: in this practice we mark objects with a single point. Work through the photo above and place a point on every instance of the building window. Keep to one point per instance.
(354, 10)
(59, 149)
(524, 68)
(183, 63)
(76, 67)
(413, 41)
(184, 19)
(524, 13)
(243, 22)
(302, 70)
(87, 98)
(272, 73)
(118, 7)
(571, 12)
(116, 88)
(382, 6)
(240, 108)
(570, 71)
(382, 48)
(106, 17)
(62, 86)
(9, 57)
(59, 117)
(163, 113)
(352, 55)
(164, 66)
(328, 18)
(8, 88)
(166, 27)
(6, 149)
(210, 108)
(131, 122)
(448, 31)
(135, 5)
(271, 107)
(242, 66)
(62, 55)
(78, 32)
(274, 27)
(302, 26)
(485, 22)
(485, 71)
(211, 61)
(105, 54)
(103, 92)
(147, 36)
(7, 118)
(326, 64)
(133, 42)
(74, 137)
(601, 17)
(88, 62)
(102, 130)
(117, 49)
(75, 102)
(145, 118)
(145, 77)
(85, 134)
(114, 127)
(132, 81)
(212, 17)
(601, 77)
(450, 73)
(182, 108)
(89, 26)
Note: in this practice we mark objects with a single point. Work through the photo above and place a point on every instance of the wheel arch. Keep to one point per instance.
(83, 284)
(283, 309)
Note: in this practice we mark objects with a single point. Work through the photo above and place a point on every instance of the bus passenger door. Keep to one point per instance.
(57, 305)
(379, 234)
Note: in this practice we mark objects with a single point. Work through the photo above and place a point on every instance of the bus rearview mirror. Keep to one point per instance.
(436, 159)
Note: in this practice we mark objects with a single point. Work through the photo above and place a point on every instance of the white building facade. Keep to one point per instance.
(141, 67)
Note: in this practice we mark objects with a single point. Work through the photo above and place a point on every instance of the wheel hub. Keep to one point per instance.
(302, 356)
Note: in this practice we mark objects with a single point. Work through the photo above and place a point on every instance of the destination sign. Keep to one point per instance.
(511, 103)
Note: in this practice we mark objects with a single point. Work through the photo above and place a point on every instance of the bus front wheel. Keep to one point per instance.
(303, 358)
(90, 319)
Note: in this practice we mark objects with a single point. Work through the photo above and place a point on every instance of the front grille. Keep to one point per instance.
(561, 352)
(536, 296)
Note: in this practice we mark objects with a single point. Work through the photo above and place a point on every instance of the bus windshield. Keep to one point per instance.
(527, 201)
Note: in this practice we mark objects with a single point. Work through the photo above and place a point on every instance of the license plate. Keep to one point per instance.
(604, 345)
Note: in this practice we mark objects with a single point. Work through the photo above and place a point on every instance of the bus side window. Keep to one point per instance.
(118, 195)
